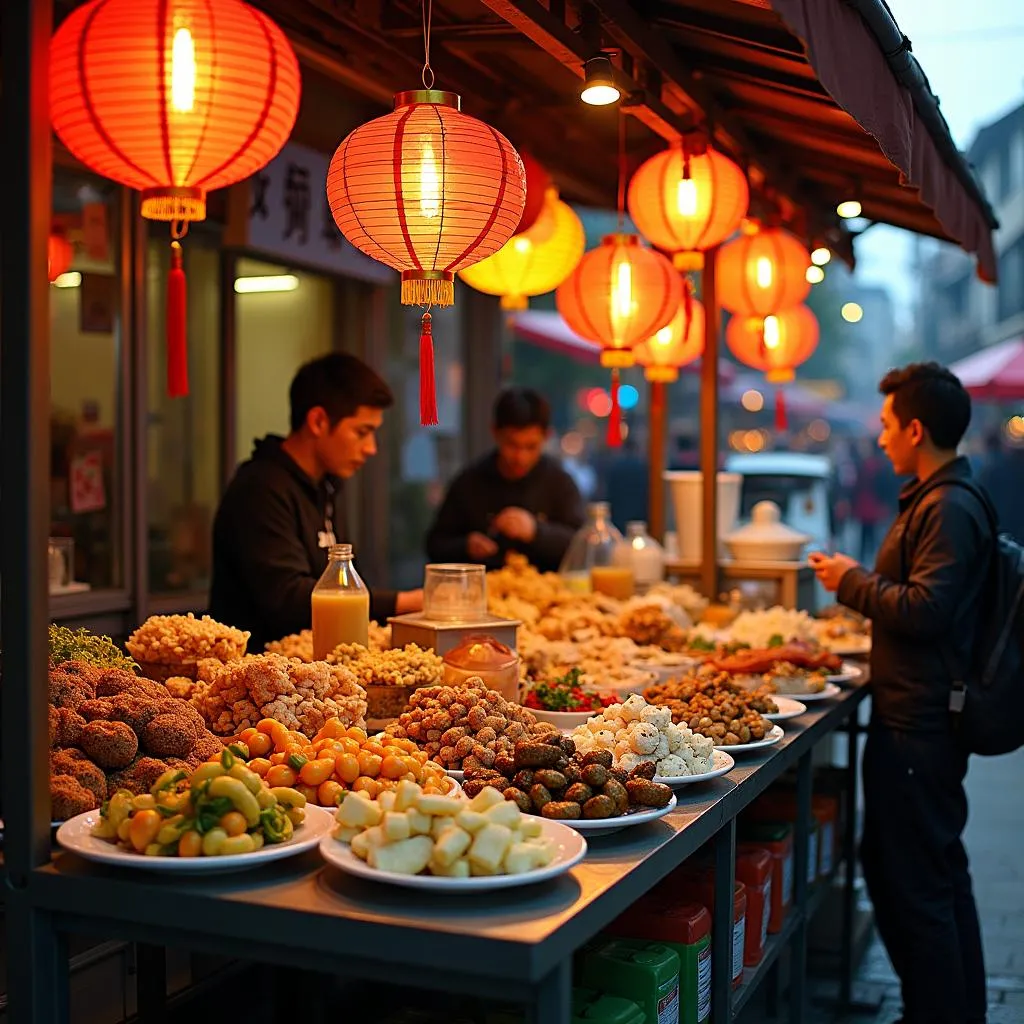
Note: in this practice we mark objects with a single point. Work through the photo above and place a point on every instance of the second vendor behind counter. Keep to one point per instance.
(514, 499)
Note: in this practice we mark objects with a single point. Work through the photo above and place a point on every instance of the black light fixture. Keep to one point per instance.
(599, 88)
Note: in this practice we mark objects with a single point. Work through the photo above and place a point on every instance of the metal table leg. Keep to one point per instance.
(722, 922)
(798, 946)
(552, 999)
(849, 865)
(37, 964)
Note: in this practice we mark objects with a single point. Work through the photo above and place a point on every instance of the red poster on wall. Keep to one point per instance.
(88, 493)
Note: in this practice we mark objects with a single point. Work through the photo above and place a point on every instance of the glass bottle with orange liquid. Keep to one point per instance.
(593, 561)
(341, 605)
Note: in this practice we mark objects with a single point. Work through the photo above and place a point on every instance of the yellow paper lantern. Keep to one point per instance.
(534, 262)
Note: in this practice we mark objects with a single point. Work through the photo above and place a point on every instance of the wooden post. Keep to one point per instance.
(657, 426)
(709, 427)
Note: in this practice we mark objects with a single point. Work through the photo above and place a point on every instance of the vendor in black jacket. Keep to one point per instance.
(283, 509)
(515, 499)
(923, 600)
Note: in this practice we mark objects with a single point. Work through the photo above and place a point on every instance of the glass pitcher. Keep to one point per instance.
(592, 562)
(341, 605)
(644, 554)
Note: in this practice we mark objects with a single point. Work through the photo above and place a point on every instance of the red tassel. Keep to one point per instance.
(428, 385)
(615, 416)
(177, 319)
(781, 419)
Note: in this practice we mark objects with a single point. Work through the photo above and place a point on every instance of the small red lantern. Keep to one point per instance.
(620, 294)
(59, 254)
(686, 202)
(174, 98)
(762, 273)
(538, 183)
(776, 345)
(428, 191)
(674, 346)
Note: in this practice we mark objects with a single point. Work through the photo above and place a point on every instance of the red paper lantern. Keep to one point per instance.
(538, 182)
(59, 254)
(686, 203)
(762, 273)
(674, 346)
(174, 98)
(428, 191)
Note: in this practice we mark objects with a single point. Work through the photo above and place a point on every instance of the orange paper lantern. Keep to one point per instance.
(762, 273)
(686, 203)
(674, 346)
(775, 344)
(59, 254)
(173, 98)
(428, 191)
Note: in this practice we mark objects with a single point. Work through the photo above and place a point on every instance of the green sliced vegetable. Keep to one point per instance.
(296, 761)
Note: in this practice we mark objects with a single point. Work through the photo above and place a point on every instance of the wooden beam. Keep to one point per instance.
(709, 427)
(657, 421)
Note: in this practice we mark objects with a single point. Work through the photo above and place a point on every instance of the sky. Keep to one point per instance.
(972, 55)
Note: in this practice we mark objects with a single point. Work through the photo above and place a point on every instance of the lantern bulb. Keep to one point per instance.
(686, 197)
(815, 275)
(183, 72)
(664, 336)
(821, 256)
(771, 332)
(849, 209)
(430, 185)
(522, 245)
(622, 294)
(763, 272)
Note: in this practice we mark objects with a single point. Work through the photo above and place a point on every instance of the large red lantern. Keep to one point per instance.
(676, 345)
(428, 191)
(174, 98)
(762, 273)
(59, 254)
(686, 203)
(776, 345)
(620, 294)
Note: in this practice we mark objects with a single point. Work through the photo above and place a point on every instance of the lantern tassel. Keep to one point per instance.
(615, 416)
(428, 384)
(781, 418)
(177, 342)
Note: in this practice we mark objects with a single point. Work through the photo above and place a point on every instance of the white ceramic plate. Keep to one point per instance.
(565, 721)
(75, 835)
(849, 674)
(605, 826)
(721, 764)
(663, 673)
(455, 773)
(770, 740)
(572, 848)
(789, 707)
(830, 691)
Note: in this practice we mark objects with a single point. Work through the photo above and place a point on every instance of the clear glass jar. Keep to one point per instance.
(455, 593)
(341, 605)
(644, 554)
(486, 658)
(592, 562)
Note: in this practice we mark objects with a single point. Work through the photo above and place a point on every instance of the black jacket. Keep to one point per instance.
(480, 492)
(924, 609)
(270, 540)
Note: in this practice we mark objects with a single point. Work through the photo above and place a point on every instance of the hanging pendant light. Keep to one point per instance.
(175, 99)
(763, 272)
(676, 345)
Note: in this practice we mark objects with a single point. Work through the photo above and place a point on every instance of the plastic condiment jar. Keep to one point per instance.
(645, 972)
(686, 928)
(780, 805)
(754, 870)
(590, 1007)
(826, 810)
(777, 839)
(703, 888)
(483, 656)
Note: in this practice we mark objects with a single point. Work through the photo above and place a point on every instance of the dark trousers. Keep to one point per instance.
(915, 866)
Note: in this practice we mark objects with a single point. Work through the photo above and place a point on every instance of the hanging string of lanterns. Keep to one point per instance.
(534, 261)
(174, 99)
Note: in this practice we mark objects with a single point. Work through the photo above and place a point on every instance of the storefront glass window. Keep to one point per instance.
(183, 434)
(85, 386)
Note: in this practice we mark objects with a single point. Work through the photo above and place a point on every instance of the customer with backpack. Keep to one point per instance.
(932, 576)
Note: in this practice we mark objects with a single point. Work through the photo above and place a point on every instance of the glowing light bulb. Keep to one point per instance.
(849, 209)
(772, 336)
(686, 197)
(852, 312)
(664, 337)
(814, 275)
(763, 272)
(430, 184)
(183, 72)
(622, 294)
(522, 245)
(821, 256)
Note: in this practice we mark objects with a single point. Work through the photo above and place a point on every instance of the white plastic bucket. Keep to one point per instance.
(687, 503)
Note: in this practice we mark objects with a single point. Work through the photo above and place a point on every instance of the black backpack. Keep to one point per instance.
(987, 694)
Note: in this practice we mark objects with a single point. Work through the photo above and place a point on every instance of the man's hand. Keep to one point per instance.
(830, 569)
(480, 546)
(517, 524)
(409, 601)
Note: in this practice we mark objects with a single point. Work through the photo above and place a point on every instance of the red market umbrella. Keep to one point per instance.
(995, 373)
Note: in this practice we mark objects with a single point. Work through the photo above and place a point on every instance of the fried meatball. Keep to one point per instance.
(169, 736)
(137, 712)
(114, 681)
(110, 744)
(101, 708)
(67, 690)
(76, 764)
(206, 746)
(138, 777)
(69, 797)
(53, 725)
(65, 727)
(86, 673)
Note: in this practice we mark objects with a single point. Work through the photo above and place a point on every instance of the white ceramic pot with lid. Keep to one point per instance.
(766, 538)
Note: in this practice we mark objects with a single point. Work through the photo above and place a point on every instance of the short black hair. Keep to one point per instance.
(338, 383)
(521, 407)
(934, 395)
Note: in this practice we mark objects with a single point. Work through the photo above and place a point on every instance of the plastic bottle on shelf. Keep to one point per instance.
(591, 561)
(341, 604)
(644, 554)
